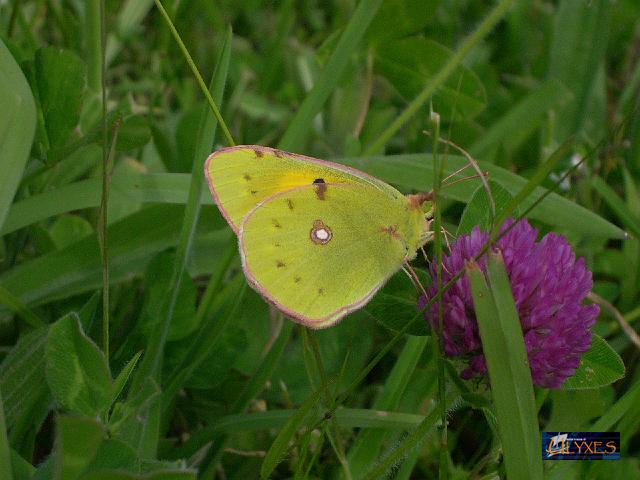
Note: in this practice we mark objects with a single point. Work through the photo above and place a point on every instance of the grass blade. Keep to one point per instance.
(483, 29)
(541, 174)
(294, 137)
(206, 133)
(618, 206)
(406, 447)
(367, 444)
(528, 114)
(17, 126)
(280, 445)
(16, 306)
(5, 451)
(506, 357)
(408, 171)
(576, 53)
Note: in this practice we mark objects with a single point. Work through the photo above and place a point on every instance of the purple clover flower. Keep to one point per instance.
(548, 286)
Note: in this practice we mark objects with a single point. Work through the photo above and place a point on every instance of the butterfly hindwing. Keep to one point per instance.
(319, 252)
(241, 177)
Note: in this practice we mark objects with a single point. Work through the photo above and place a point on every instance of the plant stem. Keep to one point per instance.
(104, 252)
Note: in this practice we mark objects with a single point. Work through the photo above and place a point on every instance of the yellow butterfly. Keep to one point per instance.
(317, 239)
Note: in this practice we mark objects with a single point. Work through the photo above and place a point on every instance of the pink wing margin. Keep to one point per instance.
(279, 153)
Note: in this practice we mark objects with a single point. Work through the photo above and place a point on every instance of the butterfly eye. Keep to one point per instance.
(319, 180)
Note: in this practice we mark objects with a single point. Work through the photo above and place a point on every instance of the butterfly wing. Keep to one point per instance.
(241, 177)
(319, 255)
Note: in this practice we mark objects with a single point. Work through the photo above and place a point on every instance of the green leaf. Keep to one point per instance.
(576, 53)
(415, 172)
(77, 441)
(628, 402)
(67, 229)
(401, 18)
(366, 447)
(157, 278)
(155, 347)
(295, 135)
(528, 114)
(22, 377)
(133, 133)
(408, 444)
(77, 372)
(206, 340)
(396, 304)
(137, 420)
(621, 210)
(17, 126)
(22, 470)
(478, 211)
(158, 475)
(487, 24)
(60, 78)
(122, 378)
(112, 454)
(599, 366)
(410, 63)
(508, 366)
(6, 471)
(532, 184)
(77, 268)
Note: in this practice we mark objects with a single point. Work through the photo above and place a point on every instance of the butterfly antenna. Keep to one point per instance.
(416, 281)
(464, 179)
(446, 235)
(457, 172)
(474, 164)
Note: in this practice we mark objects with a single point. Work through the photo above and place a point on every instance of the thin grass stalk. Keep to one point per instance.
(471, 41)
(104, 249)
(206, 133)
(196, 73)
(437, 249)
(93, 39)
(5, 450)
(16, 306)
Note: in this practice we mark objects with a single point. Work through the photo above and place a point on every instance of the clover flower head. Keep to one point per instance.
(548, 284)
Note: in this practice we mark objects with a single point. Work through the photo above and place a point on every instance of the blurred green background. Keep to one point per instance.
(220, 374)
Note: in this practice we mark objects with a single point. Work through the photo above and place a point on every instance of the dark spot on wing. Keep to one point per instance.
(280, 264)
(276, 223)
(253, 192)
(321, 291)
(320, 233)
(290, 203)
(296, 279)
(276, 244)
(321, 190)
(247, 177)
(258, 153)
(278, 153)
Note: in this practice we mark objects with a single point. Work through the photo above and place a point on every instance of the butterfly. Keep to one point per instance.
(317, 239)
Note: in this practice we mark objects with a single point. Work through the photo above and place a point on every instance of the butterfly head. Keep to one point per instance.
(422, 204)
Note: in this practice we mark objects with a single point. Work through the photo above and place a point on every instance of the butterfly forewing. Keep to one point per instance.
(319, 252)
(241, 177)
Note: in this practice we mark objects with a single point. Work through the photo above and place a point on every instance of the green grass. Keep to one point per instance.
(165, 365)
